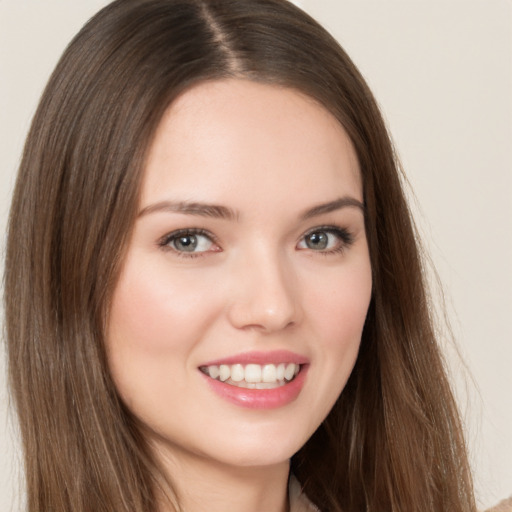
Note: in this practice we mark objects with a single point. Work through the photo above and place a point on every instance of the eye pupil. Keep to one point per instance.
(186, 243)
(317, 240)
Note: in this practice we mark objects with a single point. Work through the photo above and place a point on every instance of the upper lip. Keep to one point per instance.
(260, 357)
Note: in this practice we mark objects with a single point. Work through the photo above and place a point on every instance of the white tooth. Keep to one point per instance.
(280, 372)
(297, 369)
(213, 371)
(224, 372)
(253, 373)
(289, 371)
(237, 373)
(269, 373)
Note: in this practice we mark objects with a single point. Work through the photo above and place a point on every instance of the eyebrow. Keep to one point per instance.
(191, 208)
(223, 212)
(331, 206)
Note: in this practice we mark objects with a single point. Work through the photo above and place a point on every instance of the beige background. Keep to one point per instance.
(442, 71)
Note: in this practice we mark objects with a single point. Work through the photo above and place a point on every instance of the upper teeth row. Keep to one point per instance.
(253, 372)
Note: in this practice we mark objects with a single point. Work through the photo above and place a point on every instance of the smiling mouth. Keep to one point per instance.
(253, 376)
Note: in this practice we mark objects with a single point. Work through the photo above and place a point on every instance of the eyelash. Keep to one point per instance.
(166, 240)
(346, 240)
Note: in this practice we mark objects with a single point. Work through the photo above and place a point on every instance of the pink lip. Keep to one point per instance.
(272, 357)
(259, 398)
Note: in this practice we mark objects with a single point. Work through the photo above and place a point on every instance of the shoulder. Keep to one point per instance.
(502, 506)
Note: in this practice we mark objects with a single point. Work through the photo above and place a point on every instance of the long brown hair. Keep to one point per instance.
(393, 441)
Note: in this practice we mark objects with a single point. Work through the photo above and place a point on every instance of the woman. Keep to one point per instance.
(213, 289)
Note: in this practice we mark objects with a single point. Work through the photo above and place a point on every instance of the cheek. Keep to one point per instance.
(152, 312)
(339, 308)
(153, 330)
(341, 301)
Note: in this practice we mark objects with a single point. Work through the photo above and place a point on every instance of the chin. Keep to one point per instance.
(261, 447)
(246, 445)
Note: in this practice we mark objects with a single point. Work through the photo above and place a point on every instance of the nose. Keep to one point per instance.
(265, 294)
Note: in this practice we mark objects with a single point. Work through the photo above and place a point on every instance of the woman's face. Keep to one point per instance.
(238, 313)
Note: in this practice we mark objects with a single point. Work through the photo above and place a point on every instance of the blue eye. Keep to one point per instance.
(328, 239)
(191, 241)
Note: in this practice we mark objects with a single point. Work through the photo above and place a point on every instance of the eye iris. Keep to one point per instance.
(187, 243)
(317, 240)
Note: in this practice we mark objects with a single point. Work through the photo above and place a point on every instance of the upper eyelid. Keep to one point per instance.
(346, 235)
(164, 242)
(166, 239)
(188, 231)
(323, 227)
(329, 228)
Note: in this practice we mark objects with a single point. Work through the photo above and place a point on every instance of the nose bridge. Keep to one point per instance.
(266, 292)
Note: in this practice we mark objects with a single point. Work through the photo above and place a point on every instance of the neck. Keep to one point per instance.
(203, 485)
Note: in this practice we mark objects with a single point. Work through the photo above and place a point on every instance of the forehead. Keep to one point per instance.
(236, 136)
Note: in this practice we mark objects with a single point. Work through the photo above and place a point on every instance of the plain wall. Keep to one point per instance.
(442, 72)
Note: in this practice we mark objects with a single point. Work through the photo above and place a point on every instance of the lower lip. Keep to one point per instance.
(259, 398)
